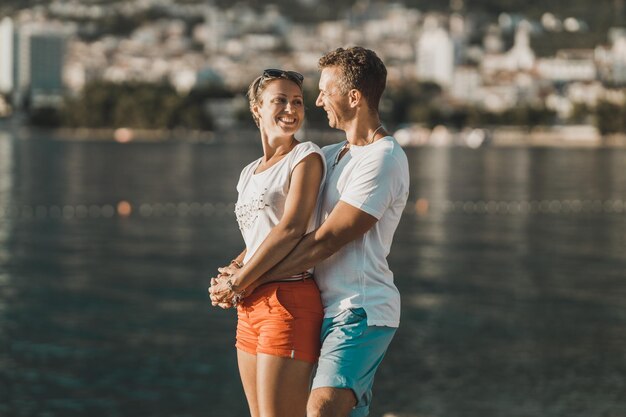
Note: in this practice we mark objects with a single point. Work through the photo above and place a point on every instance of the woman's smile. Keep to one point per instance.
(287, 120)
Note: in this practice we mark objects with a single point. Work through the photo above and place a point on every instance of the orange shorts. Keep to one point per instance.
(281, 319)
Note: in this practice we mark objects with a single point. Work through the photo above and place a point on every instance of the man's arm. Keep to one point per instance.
(299, 207)
(344, 224)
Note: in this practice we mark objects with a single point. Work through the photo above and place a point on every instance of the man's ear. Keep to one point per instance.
(354, 97)
(255, 111)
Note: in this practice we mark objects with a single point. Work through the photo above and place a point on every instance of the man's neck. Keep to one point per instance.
(363, 131)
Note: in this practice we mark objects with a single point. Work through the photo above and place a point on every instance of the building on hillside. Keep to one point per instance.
(466, 84)
(47, 51)
(6, 55)
(615, 57)
(519, 58)
(39, 63)
(435, 54)
(568, 66)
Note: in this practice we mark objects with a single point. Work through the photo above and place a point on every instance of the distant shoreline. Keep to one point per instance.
(111, 135)
(125, 135)
(501, 136)
(582, 136)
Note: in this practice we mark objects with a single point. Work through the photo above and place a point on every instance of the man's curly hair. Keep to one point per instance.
(361, 69)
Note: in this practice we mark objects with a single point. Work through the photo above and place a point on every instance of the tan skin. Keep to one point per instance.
(347, 111)
(275, 386)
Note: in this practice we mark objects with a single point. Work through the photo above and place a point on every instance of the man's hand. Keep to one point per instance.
(228, 270)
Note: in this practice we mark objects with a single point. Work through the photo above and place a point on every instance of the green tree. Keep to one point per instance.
(138, 105)
(411, 102)
(609, 117)
(581, 113)
(45, 117)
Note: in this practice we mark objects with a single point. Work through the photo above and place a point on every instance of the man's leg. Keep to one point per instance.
(330, 402)
(351, 353)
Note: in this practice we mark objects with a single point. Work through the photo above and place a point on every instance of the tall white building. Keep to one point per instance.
(21, 80)
(519, 58)
(6, 55)
(521, 55)
(618, 57)
(435, 54)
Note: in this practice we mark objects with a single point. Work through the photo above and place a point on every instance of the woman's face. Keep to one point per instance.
(281, 108)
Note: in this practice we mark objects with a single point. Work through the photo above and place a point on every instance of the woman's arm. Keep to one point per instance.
(299, 206)
(235, 264)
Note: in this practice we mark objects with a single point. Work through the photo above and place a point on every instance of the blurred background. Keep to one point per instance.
(123, 129)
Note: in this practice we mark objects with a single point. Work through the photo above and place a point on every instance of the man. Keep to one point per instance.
(366, 189)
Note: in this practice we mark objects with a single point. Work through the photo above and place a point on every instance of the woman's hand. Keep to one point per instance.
(220, 291)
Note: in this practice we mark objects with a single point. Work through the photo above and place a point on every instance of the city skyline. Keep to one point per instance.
(489, 65)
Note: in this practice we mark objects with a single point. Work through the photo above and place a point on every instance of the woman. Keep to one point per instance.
(279, 322)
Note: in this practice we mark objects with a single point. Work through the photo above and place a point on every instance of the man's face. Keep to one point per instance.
(333, 100)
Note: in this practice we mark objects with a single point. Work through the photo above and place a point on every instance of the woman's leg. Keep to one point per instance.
(248, 372)
(282, 386)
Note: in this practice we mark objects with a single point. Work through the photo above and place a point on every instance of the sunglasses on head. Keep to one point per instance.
(278, 73)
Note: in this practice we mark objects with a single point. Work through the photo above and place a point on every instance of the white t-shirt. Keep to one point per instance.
(375, 179)
(261, 201)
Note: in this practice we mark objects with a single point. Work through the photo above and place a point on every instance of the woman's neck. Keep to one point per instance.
(277, 146)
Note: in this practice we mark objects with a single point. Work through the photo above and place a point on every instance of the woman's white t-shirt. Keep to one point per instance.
(261, 201)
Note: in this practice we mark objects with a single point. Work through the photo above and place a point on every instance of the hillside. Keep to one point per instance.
(598, 19)
(611, 10)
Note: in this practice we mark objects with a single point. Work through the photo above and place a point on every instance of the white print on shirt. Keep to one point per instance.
(248, 212)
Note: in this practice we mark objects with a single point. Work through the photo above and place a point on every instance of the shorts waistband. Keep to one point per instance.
(294, 278)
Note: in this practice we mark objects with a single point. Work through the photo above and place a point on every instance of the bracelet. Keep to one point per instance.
(238, 295)
(236, 263)
(237, 298)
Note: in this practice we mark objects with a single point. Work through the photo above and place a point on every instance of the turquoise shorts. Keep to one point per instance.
(351, 353)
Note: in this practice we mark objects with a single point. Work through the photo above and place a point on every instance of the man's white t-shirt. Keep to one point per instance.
(375, 179)
(261, 201)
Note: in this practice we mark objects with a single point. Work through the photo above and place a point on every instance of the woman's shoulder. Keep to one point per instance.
(304, 149)
(307, 147)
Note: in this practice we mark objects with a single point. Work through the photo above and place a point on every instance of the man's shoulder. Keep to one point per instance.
(330, 151)
(390, 144)
(388, 149)
(333, 147)
(392, 159)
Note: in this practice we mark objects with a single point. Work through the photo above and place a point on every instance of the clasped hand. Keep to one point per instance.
(220, 292)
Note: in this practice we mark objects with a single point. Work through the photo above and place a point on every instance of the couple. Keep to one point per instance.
(336, 209)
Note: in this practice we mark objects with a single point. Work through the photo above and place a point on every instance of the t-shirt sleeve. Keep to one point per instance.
(375, 184)
(305, 149)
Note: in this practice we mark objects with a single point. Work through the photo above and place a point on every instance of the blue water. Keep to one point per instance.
(512, 270)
